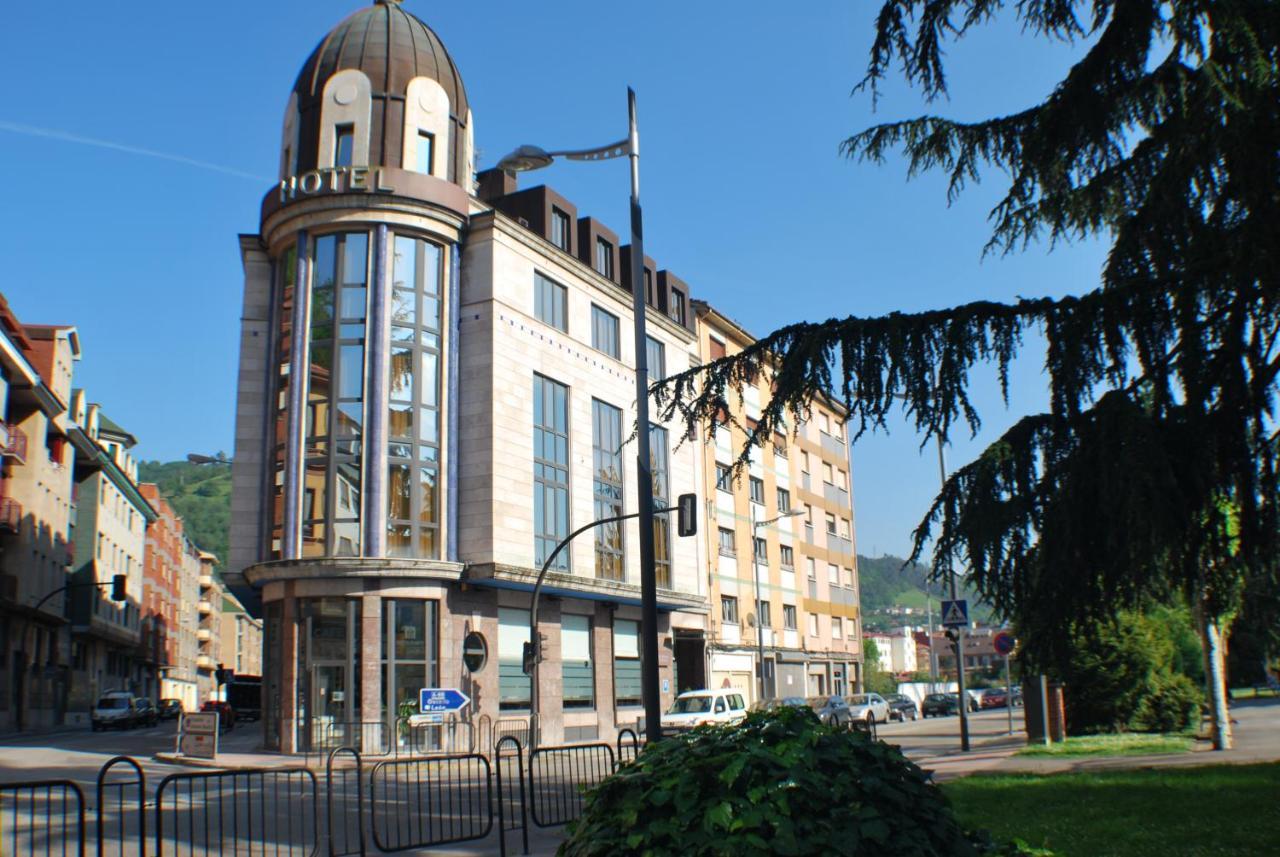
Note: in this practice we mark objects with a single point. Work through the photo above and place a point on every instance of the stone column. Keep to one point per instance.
(602, 664)
(370, 659)
(291, 537)
(289, 673)
(550, 676)
(378, 349)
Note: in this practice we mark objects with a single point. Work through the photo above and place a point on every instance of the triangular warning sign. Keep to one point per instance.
(954, 614)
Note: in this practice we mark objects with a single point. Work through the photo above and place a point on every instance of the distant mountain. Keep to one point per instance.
(891, 581)
(201, 494)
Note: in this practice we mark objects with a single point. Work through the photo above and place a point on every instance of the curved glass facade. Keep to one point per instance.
(286, 273)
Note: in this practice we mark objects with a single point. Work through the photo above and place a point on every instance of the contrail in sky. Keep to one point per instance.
(32, 131)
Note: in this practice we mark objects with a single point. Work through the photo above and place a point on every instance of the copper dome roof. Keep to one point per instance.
(391, 47)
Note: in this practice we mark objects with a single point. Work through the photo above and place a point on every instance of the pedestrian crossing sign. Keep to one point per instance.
(955, 614)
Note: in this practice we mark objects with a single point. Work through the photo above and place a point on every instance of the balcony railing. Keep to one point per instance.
(15, 445)
(838, 544)
(10, 515)
(204, 607)
(206, 580)
(204, 662)
(204, 635)
(835, 494)
(832, 445)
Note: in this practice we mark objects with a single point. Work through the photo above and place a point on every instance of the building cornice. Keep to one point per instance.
(501, 576)
(312, 568)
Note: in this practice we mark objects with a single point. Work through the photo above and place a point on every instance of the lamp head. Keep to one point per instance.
(525, 158)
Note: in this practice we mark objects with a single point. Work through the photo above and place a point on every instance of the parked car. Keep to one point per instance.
(226, 714)
(831, 710)
(117, 708)
(869, 707)
(696, 707)
(146, 712)
(995, 697)
(902, 707)
(779, 702)
(170, 709)
(1016, 690)
(940, 704)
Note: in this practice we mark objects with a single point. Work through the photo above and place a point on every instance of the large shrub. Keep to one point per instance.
(779, 783)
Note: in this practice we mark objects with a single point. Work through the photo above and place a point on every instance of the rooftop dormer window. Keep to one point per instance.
(426, 152)
(560, 229)
(345, 145)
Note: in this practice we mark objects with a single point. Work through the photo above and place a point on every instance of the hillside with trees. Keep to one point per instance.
(201, 494)
(890, 581)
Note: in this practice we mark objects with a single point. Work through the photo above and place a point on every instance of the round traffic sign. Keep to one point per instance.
(1003, 642)
(475, 651)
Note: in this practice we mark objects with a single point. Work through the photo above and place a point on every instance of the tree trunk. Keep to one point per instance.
(1216, 677)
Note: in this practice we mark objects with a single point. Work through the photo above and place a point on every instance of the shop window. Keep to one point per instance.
(513, 684)
(575, 662)
(626, 663)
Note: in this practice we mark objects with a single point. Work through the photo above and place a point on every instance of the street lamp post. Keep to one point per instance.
(755, 579)
(958, 642)
(532, 158)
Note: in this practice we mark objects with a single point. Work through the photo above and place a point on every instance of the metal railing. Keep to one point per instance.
(437, 800)
(250, 812)
(368, 737)
(516, 728)
(628, 746)
(558, 776)
(450, 737)
(122, 822)
(510, 802)
(344, 788)
(42, 818)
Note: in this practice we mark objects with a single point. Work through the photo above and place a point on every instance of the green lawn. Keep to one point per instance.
(1212, 810)
(1253, 693)
(1124, 744)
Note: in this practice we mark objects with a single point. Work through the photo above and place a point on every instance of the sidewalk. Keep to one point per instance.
(1257, 739)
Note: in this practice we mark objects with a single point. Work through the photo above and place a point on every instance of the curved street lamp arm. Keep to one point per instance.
(620, 149)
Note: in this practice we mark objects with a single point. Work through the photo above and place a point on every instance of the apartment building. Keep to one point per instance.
(436, 387)
(781, 567)
(241, 638)
(169, 614)
(37, 511)
(208, 631)
(110, 539)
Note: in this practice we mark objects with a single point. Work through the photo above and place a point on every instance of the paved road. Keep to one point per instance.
(936, 736)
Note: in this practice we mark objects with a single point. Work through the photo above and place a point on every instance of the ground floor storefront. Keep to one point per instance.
(787, 672)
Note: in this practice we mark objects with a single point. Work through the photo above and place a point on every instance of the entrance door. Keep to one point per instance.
(330, 705)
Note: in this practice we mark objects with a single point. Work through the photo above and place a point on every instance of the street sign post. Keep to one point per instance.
(1003, 643)
(198, 734)
(955, 614)
(442, 700)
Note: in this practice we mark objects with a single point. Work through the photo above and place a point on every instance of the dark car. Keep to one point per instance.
(831, 710)
(902, 707)
(170, 709)
(147, 713)
(226, 714)
(995, 697)
(941, 704)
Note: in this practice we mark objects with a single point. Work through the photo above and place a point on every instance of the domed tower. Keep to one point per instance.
(343, 461)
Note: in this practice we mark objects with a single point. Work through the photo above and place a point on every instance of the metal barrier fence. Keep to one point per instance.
(249, 812)
(508, 753)
(344, 789)
(436, 800)
(121, 821)
(44, 817)
(557, 776)
(450, 737)
(368, 737)
(518, 729)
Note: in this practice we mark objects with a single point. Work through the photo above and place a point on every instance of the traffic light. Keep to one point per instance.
(687, 511)
(118, 587)
(224, 675)
(532, 654)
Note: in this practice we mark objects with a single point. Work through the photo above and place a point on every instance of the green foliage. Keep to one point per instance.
(891, 581)
(779, 783)
(875, 679)
(1121, 676)
(1156, 468)
(201, 495)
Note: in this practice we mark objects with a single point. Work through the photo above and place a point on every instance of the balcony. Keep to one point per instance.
(836, 494)
(204, 607)
(837, 544)
(204, 635)
(10, 515)
(206, 580)
(15, 444)
(204, 662)
(833, 445)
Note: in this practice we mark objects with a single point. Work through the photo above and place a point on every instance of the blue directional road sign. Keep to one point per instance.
(955, 614)
(441, 700)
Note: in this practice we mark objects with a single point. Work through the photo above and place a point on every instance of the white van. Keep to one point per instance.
(696, 707)
(115, 708)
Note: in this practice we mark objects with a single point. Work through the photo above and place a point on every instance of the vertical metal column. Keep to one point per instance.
(453, 347)
(291, 535)
(378, 369)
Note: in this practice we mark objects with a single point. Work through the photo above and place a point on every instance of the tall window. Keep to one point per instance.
(413, 393)
(560, 229)
(762, 614)
(813, 624)
(604, 332)
(659, 463)
(831, 524)
(784, 501)
(344, 145)
(761, 550)
(678, 310)
(335, 396)
(789, 616)
(513, 684)
(426, 152)
(757, 490)
(788, 558)
(729, 609)
(724, 477)
(576, 671)
(626, 662)
(606, 433)
(285, 274)
(837, 627)
(604, 257)
(727, 542)
(656, 358)
(409, 654)
(550, 470)
(550, 301)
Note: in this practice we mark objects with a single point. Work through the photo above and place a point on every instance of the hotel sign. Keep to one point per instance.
(335, 180)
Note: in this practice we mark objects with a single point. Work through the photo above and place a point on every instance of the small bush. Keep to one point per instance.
(779, 783)
(1172, 705)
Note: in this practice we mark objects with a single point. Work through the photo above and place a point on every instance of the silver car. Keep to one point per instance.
(870, 707)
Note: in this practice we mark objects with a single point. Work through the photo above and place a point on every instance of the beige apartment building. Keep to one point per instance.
(781, 564)
(241, 638)
(210, 591)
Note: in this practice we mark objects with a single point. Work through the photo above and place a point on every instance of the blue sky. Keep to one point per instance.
(742, 109)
